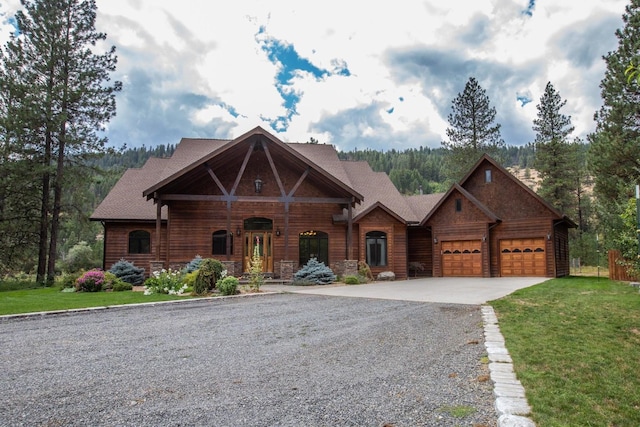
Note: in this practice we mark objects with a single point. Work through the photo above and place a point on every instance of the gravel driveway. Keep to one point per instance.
(269, 360)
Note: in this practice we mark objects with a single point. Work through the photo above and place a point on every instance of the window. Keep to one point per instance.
(487, 175)
(219, 243)
(458, 205)
(376, 242)
(139, 242)
(313, 244)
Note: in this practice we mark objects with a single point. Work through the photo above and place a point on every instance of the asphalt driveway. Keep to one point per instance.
(455, 290)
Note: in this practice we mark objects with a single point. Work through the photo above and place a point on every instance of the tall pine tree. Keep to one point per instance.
(556, 159)
(472, 130)
(614, 154)
(67, 98)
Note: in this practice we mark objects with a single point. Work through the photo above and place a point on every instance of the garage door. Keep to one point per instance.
(462, 258)
(523, 257)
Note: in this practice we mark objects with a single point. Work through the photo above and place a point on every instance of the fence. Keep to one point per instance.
(617, 271)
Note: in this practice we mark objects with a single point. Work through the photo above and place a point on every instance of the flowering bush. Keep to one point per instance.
(91, 281)
(165, 282)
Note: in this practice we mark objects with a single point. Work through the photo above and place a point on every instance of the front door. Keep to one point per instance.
(260, 244)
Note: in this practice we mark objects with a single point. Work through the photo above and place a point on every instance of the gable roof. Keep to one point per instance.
(486, 158)
(180, 169)
(493, 218)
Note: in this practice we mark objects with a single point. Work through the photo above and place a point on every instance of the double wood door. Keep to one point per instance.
(261, 244)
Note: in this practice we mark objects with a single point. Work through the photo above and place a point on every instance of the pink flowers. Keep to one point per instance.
(91, 281)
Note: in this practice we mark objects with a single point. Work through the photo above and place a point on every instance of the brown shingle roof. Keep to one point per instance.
(125, 201)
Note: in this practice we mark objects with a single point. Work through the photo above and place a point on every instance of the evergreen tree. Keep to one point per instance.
(473, 130)
(66, 100)
(614, 154)
(556, 158)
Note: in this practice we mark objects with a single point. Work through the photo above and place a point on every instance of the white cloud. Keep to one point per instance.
(195, 70)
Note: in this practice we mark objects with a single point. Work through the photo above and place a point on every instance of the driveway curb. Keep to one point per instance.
(511, 402)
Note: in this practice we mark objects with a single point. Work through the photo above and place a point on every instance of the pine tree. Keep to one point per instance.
(473, 130)
(556, 158)
(66, 100)
(614, 154)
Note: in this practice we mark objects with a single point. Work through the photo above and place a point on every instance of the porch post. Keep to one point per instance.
(286, 230)
(158, 226)
(350, 230)
(229, 232)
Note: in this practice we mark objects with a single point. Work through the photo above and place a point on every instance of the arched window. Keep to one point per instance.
(139, 242)
(376, 242)
(313, 244)
(219, 242)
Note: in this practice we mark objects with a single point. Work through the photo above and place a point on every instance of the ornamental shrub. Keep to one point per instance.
(120, 286)
(193, 265)
(165, 282)
(314, 273)
(228, 285)
(352, 280)
(210, 271)
(91, 281)
(79, 257)
(127, 272)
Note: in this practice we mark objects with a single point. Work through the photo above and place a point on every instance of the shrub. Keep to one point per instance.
(193, 265)
(120, 286)
(228, 285)
(68, 280)
(314, 273)
(127, 272)
(210, 271)
(91, 281)
(352, 280)
(189, 279)
(364, 270)
(79, 257)
(165, 282)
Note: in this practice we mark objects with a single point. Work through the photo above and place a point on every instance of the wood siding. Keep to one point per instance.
(117, 244)
(379, 220)
(420, 251)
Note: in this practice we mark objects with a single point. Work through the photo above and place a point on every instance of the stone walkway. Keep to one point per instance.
(511, 403)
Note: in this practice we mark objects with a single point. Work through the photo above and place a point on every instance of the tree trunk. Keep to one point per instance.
(44, 213)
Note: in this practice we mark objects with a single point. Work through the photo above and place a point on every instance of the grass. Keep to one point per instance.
(575, 344)
(49, 299)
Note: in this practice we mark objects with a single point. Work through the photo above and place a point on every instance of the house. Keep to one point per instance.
(289, 202)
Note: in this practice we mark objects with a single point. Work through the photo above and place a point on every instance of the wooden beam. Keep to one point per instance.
(300, 180)
(216, 180)
(350, 231)
(158, 226)
(242, 168)
(273, 167)
(257, 199)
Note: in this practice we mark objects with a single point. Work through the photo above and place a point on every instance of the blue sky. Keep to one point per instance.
(354, 74)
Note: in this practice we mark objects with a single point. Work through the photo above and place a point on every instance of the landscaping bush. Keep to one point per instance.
(120, 286)
(314, 273)
(68, 280)
(228, 285)
(79, 257)
(364, 270)
(210, 271)
(91, 281)
(353, 280)
(165, 282)
(127, 272)
(193, 265)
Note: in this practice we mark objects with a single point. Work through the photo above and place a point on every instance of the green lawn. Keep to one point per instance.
(575, 345)
(47, 299)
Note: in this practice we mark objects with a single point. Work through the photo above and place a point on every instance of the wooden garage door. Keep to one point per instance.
(462, 258)
(523, 257)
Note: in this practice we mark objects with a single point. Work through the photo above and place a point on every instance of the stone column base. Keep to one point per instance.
(287, 270)
(155, 266)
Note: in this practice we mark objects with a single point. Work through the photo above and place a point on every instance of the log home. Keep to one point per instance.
(291, 202)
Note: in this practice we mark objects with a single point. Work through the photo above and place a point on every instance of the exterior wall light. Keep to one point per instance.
(258, 185)
(278, 231)
(238, 231)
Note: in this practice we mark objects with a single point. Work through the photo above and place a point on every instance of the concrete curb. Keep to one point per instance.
(511, 402)
(6, 317)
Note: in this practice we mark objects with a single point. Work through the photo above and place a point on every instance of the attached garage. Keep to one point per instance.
(523, 257)
(462, 258)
